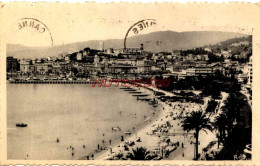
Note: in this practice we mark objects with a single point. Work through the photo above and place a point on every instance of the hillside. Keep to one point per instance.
(154, 42)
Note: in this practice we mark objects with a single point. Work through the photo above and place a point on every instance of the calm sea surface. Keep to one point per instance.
(76, 114)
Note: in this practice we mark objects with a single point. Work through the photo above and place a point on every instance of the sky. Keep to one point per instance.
(99, 21)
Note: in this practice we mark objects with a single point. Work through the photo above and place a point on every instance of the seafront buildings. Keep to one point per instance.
(229, 59)
(214, 80)
(232, 60)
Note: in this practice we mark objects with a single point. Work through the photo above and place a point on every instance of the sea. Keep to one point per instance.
(78, 115)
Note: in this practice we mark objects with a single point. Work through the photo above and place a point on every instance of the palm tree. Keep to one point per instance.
(196, 121)
(220, 125)
(140, 153)
(231, 109)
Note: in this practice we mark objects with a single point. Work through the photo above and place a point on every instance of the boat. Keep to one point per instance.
(116, 129)
(128, 133)
(21, 125)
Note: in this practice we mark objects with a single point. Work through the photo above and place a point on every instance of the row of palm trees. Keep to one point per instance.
(199, 121)
(227, 120)
(223, 123)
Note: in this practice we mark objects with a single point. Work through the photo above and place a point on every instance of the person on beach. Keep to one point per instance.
(98, 146)
(110, 141)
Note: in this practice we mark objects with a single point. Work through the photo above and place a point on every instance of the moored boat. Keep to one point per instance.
(21, 125)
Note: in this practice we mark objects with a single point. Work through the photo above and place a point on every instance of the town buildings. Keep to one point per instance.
(135, 63)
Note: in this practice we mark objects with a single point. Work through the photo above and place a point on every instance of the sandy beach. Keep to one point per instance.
(161, 133)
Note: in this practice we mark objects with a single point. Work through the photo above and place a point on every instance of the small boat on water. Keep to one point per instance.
(21, 125)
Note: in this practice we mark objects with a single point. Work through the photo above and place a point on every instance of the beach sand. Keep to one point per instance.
(154, 142)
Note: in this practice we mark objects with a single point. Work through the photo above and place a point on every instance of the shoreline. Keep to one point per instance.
(145, 125)
(153, 136)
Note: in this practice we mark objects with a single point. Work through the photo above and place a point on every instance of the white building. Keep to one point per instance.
(79, 56)
(101, 46)
(250, 72)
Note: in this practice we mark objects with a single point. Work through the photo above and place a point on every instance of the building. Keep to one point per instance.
(101, 46)
(124, 69)
(242, 77)
(88, 68)
(218, 67)
(96, 61)
(67, 58)
(143, 66)
(24, 66)
(130, 62)
(43, 68)
(79, 56)
(56, 68)
(12, 64)
(32, 68)
(200, 70)
(110, 51)
(250, 73)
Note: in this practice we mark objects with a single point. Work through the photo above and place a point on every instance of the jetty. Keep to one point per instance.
(126, 88)
(141, 95)
(143, 99)
(135, 92)
(130, 90)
